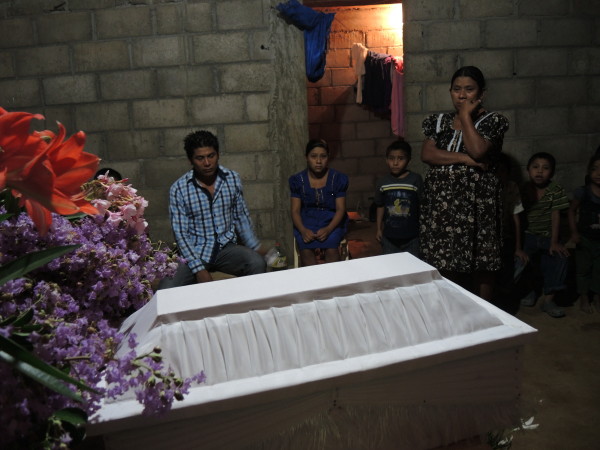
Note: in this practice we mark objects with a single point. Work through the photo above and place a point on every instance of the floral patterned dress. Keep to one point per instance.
(461, 212)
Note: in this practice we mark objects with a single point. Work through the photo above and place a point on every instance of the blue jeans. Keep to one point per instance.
(232, 259)
(553, 267)
(412, 247)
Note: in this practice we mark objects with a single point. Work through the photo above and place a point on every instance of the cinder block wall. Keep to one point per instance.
(542, 63)
(137, 76)
(357, 136)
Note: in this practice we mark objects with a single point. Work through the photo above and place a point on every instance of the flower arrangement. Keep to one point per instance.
(80, 261)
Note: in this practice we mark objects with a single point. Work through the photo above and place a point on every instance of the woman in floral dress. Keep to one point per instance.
(461, 212)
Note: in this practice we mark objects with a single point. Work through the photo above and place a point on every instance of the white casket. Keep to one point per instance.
(378, 352)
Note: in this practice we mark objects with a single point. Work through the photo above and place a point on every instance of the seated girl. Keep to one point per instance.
(318, 196)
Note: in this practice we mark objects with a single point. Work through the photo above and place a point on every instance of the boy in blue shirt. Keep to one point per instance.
(397, 199)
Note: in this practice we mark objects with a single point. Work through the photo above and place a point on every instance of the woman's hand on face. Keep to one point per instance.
(469, 107)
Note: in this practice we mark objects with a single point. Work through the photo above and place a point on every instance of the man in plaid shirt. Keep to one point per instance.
(208, 215)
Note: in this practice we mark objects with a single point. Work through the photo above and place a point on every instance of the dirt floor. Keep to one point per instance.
(561, 382)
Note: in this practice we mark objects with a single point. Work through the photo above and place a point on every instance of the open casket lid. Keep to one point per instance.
(264, 337)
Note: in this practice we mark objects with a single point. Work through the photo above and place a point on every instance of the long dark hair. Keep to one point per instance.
(471, 72)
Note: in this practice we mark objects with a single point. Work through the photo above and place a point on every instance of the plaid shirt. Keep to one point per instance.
(203, 225)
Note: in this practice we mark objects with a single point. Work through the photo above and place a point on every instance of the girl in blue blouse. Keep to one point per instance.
(318, 196)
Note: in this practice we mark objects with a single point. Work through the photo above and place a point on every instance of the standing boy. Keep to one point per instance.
(397, 199)
(543, 200)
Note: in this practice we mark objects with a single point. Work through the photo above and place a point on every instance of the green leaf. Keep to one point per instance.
(74, 416)
(37, 369)
(76, 216)
(21, 266)
(3, 217)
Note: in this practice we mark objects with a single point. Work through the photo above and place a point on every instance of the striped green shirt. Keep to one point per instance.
(539, 213)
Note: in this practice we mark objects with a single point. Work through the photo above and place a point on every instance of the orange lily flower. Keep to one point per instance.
(43, 170)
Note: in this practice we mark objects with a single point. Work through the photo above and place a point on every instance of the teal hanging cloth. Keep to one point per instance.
(316, 26)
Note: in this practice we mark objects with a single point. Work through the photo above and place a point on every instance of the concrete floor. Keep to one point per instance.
(561, 382)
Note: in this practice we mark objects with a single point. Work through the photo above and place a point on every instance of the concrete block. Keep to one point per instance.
(585, 61)
(510, 94)
(217, 109)
(384, 38)
(369, 130)
(123, 22)
(594, 92)
(437, 97)
(493, 63)
(257, 107)
(542, 121)
(260, 47)
(343, 77)
(562, 32)
(562, 91)
(70, 89)
(358, 148)
(412, 98)
(62, 114)
(375, 165)
(591, 7)
(338, 58)
(19, 93)
(7, 67)
(159, 224)
(48, 60)
(266, 169)
(249, 77)
(430, 67)
(102, 117)
(348, 166)
(163, 172)
(312, 97)
(338, 131)
(240, 14)
(578, 151)
(246, 138)
(497, 8)
(173, 140)
(221, 47)
(585, 119)
(95, 144)
(64, 27)
(127, 84)
(346, 39)
(519, 151)
(454, 35)
(95, 56)
(508, 33)
(267, 229)
(198, 17)
(25, 7)
(244, 164)
(161, 113)
(428, 10)
(338, 95)
(547, 8)
(170, 18)
(321, 114)
(544, 62)
(259, 196)
(16, 32)
(351, 113)
(75, 5)
(324, 81)
(159, 51)
(414, 128)
(131, 145)
(414, 37)
(185, 81)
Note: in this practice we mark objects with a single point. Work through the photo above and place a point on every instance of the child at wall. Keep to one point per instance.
(513, 255)
(543, 200)
(585, 233)
(397, 201)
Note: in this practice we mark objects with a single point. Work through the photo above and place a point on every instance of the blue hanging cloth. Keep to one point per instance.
(316, 26)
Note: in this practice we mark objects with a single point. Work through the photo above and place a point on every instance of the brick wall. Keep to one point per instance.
(356, 135)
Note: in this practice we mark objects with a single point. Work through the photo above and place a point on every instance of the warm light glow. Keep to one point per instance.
(394, 17)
